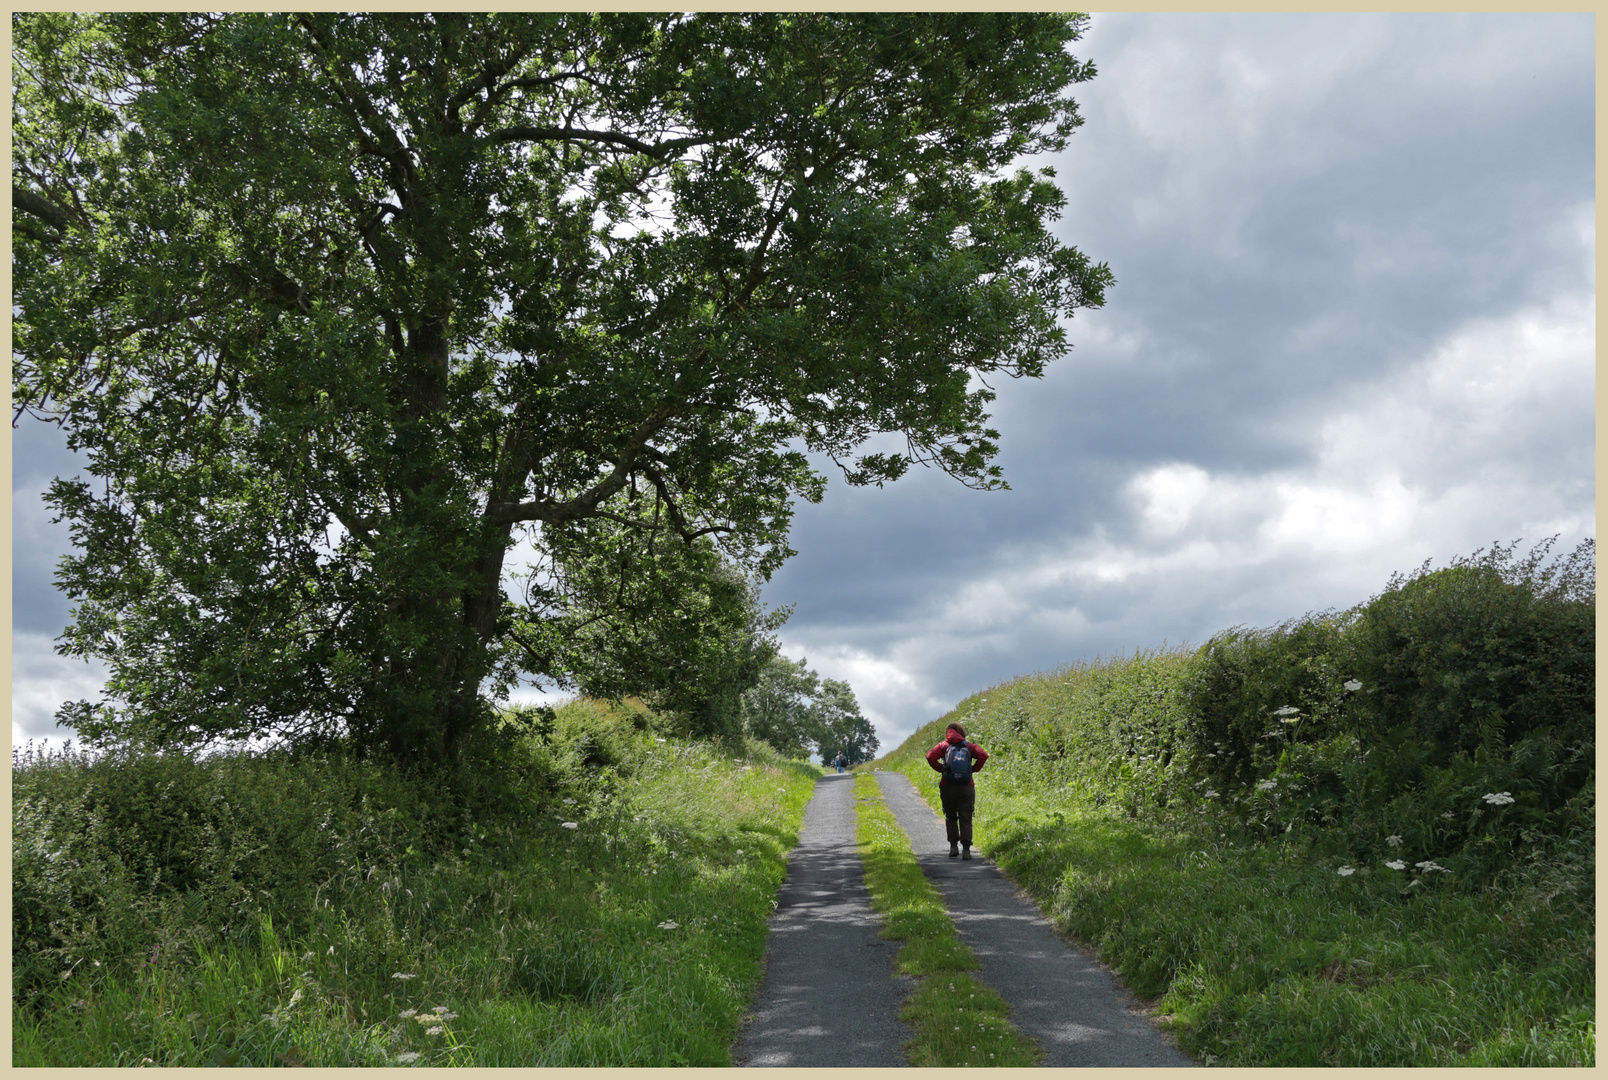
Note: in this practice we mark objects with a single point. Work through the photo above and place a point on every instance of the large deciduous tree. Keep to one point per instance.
(343, 309)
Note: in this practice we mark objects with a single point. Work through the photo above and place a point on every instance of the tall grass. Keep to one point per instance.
(597, 895)
(1304, 873)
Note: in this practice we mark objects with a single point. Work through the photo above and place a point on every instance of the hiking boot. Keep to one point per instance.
(967, 853)
(954, 851)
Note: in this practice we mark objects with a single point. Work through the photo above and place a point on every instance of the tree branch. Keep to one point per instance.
(53, 214)
(357, 102)
(677, 519)
(525, 133)
(585, 504)
(487, 81)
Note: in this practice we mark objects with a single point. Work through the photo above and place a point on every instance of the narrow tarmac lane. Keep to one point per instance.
(1074, 1007)
(829, 996)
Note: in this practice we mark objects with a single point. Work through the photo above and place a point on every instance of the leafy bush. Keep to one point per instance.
(120, 858)
(1244, 678)
(123, 858)
(1480, 654)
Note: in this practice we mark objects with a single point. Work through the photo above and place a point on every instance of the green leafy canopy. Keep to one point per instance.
(341, 308)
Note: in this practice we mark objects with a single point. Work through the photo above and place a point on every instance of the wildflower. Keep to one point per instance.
(569, 825)
(658, 740)
(407, 1014)
(1210, 794)
(438, 1029)
(1346, 871)
(402, 975)
(1266, 785)
(1500, 798)
(669, 925)
(1447, 814)
(739, 851)
(1352, 684)
(408, 1057)
(1393, 841)
(1430, 864)
(1396, 864)
(1288, 710)
(569, 802)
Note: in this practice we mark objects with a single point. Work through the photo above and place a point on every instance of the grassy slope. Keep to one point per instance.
(634, 938)
(1263, 954)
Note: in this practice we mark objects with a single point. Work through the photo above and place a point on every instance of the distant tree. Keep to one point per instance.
(778, 708)
(799, 714)
(839, 725)
(691, 643)
(342, 308)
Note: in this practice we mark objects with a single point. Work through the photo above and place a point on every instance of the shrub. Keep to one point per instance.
(1245, 677)
(1480, 654)
(129, 858)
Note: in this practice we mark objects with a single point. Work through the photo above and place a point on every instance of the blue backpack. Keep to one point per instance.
(958, 764)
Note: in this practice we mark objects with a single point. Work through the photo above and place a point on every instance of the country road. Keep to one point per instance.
(830, 997)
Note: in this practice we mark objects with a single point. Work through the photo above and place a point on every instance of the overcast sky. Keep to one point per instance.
(1354, 329)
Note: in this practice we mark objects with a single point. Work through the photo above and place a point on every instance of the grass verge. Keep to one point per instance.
(959, 1020)
(617, 919)
(1266, 955)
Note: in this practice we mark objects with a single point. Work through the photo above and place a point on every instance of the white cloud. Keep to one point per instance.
(40, 682)
(1171, 494)
(888, 687)
(1491, 430)
(1485, 438)
(1500, 399)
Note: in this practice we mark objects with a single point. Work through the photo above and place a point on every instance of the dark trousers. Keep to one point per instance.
(959, 801)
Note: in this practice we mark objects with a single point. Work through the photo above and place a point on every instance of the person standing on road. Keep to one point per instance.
(841, 761)
(955, 760)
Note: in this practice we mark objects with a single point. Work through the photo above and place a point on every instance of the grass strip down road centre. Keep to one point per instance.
(959, 1020)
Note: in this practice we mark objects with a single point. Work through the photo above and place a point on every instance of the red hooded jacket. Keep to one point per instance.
(935, 756)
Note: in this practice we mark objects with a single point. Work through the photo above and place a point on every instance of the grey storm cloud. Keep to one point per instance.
(1354, 328)
(1325, 230)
